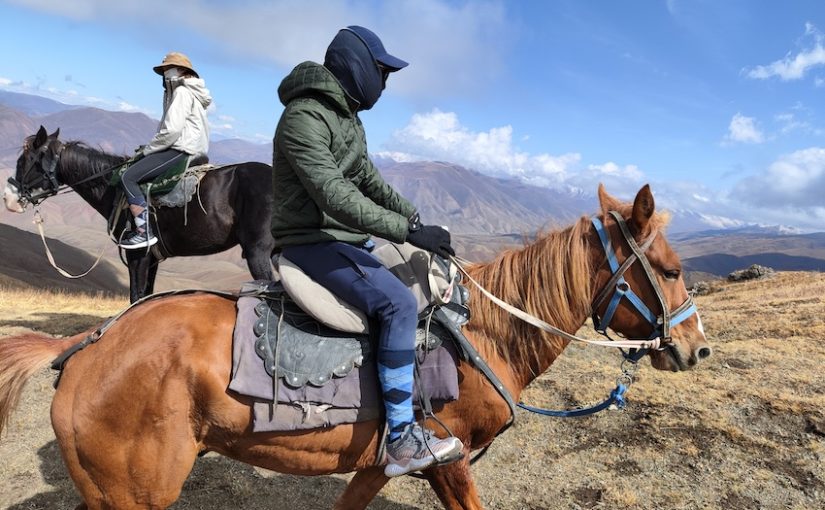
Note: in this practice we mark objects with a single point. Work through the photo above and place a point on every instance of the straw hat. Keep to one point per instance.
(175, 59)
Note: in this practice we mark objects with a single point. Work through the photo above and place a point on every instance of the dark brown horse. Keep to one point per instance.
(133, 410)
(233, 206)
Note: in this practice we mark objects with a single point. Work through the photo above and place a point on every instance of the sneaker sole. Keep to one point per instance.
(451, 454)
(151, 242)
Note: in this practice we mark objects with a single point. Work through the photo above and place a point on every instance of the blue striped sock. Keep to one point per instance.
(395, 372)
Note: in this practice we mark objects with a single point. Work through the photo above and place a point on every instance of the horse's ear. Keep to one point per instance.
(56, 134)
(607, 201)
(41, 137)
(643, 207)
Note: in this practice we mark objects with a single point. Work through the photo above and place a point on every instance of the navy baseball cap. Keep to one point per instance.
(377, 48)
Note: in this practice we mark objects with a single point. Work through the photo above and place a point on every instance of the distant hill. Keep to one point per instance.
(31, 105)
(24, 263)
(15, 126)
(235, 151)
(472, 203)
(114, 132)
(722, 264)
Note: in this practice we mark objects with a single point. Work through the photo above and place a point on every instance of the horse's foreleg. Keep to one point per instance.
(454, 486)
(362, 489)
(152, 273)
(142, 271)
(135, 281)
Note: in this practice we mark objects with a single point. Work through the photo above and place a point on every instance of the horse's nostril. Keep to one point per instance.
(704, 352)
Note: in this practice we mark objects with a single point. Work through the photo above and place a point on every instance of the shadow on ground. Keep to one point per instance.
(215, 483)
(65, 324)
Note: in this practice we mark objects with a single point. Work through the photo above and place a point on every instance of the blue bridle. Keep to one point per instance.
(662, 323)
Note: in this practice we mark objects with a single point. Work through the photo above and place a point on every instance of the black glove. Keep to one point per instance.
(432, 238)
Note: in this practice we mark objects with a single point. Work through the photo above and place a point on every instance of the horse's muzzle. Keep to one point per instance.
(12, 199)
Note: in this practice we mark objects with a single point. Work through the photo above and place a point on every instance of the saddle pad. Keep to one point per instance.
(355, 397)
(183, 190)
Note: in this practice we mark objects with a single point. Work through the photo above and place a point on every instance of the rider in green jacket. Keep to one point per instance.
(329, 199)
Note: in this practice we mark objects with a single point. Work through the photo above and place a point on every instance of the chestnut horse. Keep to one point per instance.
(133, 411)
(233, 205)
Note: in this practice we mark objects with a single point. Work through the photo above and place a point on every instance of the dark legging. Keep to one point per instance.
(146, 169)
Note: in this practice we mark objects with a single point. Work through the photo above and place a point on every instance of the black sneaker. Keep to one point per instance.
(135, 240)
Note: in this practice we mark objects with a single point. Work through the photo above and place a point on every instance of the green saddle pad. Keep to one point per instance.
(162, 184)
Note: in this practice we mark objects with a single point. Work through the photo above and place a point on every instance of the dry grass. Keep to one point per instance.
(744, 431)
(58, 313)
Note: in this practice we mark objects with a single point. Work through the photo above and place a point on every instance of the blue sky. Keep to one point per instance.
(718, 104)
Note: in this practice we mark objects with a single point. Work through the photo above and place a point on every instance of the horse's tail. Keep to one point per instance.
(20, 358)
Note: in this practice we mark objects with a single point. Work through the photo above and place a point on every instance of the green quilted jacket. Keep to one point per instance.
(325, 186)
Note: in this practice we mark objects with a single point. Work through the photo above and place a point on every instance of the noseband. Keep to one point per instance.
(662, 323)
(50, 186)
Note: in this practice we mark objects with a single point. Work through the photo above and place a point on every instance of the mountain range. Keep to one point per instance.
(484, 213)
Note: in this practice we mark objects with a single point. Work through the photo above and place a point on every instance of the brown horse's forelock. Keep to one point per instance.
(549, 278)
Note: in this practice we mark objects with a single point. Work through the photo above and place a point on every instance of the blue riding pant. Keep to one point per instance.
(356, 276)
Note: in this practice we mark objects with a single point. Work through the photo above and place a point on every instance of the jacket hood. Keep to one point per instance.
(198, 88)
(312, 79)
(353, 64)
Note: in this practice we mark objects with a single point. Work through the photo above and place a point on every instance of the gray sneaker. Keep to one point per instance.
(417, 449)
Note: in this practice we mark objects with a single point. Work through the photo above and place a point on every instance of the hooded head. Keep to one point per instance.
(357, 58)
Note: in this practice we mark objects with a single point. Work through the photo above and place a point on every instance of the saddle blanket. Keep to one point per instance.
(349, 399)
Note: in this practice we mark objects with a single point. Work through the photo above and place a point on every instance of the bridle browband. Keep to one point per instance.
(662, 323)
(51, 186)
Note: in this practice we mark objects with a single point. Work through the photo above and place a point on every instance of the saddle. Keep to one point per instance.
(313, 351)
(184, 174)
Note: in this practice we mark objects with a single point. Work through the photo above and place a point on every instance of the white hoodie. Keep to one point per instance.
(184, 126)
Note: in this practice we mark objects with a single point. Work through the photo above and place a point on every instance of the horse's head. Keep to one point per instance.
(36, 176)
(642, 293)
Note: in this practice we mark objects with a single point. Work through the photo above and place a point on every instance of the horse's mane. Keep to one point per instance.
(78, 155)
(549, 278)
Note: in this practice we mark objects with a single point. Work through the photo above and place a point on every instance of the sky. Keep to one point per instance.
(719, 105)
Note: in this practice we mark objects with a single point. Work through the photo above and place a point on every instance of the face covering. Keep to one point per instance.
(172, 73)
(172, 77)
(351, 62)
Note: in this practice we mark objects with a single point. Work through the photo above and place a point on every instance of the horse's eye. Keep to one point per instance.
(672, 274)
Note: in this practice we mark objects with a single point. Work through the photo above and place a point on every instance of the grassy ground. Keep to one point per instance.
(746, 430)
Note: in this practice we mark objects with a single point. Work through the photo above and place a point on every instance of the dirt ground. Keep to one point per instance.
(746, 430)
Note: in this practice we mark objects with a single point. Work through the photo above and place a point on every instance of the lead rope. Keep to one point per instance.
(38, 220)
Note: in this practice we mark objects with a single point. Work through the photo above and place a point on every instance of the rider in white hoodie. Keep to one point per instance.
(183, 133)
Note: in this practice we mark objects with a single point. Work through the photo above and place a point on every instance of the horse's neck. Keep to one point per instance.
(549, 280)
(96, 191)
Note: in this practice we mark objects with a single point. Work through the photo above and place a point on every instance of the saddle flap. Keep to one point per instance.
(318, 301)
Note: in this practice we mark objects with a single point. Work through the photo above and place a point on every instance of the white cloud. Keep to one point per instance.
(794, 181)
(5, 82)
(795, 66)
(226, 118)
(440, 136)
(453, 48)
(744, 129)
(126, 107)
